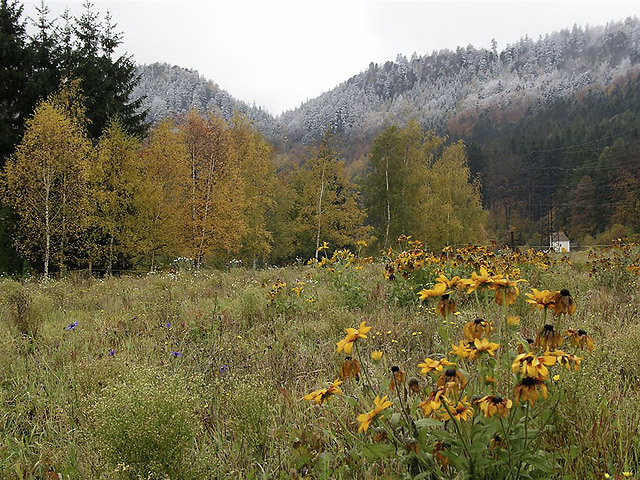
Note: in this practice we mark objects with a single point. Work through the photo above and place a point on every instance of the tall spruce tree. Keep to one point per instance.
(88, 52)
(13, 112)
(14, 58)
(44, 69)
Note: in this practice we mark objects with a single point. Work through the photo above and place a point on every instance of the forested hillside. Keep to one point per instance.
(551, 124)
(453, 147)
(169, 90)
(449, 90)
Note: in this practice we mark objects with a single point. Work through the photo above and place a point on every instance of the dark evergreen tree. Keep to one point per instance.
(44, 53)
(13, 110)
(106, 80)
(14, 59)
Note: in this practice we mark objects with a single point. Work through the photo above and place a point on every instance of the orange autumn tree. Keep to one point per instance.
(215, 200)
(165, 203)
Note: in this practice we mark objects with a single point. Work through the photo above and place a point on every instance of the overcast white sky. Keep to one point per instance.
(279, 53)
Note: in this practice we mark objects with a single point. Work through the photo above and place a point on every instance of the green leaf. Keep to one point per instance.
(377, 450)
(427, 423)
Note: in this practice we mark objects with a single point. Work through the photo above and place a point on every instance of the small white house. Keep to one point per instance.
(559, 242)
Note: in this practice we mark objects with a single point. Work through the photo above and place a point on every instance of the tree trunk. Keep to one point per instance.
(47, 226)
(110, 264)
(386, 175)
(63, 227)
(319, 212)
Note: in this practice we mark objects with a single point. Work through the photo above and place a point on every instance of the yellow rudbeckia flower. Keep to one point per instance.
(430, 364)
(461, 412)
(438, 290)
(353, 334)
(318, 397)
(533, 366)
(432, 403)
(540, 299)
(365, 419)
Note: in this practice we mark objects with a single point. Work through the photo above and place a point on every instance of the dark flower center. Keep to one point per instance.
(582, 332)
(445, 296)
(528, 381)
(565, 293)
(497, 400)
(548, 328)
(451, 372)
(529, 341)
(478, 321)
(395, 369)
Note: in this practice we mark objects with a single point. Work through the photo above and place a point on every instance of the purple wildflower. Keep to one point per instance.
(224, 369)
(71, 326)
(111, 353)
(176, 354)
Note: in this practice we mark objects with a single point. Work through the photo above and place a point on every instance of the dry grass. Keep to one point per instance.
(247, 359)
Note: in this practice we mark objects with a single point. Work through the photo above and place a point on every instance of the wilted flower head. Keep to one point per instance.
(446, 306)
(350, 369)
(452, 379)
(397, 378)
(442, 459)
(548, 338)
(506, 290)
(581, 338)
(529, 389)
(494, 405)
(414, 385)
(563, 303)
(476, 329)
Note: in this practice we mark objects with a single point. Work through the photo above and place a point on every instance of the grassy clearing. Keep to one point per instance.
(202, 375)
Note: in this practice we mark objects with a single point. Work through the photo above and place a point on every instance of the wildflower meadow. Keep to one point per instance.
(471, 363)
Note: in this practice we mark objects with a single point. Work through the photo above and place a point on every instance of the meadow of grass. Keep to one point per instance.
(190, 375)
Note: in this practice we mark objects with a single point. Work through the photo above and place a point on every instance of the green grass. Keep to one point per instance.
(230, 405)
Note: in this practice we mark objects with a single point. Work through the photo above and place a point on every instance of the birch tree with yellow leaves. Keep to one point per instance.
(45, 182)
